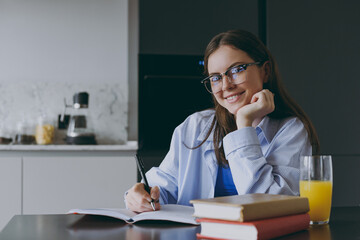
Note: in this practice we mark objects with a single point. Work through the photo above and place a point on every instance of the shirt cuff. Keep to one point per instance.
(240, 138)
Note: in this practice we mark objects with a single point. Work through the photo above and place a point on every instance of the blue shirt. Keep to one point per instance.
(224, 183)
(264, 159)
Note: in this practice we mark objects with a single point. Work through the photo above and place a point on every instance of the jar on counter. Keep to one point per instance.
(5, 136)
(25, 132)
(45, 129)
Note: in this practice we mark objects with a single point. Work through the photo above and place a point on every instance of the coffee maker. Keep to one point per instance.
(80, 129)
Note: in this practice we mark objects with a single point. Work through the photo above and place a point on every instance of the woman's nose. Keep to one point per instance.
(226, 83)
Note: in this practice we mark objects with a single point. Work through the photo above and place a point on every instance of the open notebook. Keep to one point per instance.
(169, 212)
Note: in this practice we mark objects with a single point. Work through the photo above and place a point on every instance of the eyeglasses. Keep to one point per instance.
(235, 75)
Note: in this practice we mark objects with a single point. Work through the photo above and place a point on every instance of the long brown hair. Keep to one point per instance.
(224, 122)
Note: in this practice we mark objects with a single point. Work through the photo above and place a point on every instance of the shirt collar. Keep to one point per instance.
(267, 127)
(206, 129)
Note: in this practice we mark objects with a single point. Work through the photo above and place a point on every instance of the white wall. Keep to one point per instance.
(133, 68)
(51, 49)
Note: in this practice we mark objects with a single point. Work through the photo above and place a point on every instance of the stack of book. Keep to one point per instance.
(251, 216)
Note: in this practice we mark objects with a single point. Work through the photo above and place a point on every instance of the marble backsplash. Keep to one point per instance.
(27, 101)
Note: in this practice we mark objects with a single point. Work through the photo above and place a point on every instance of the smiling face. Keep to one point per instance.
(234, 96)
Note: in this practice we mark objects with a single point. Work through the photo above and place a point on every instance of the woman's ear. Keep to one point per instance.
(267, 71)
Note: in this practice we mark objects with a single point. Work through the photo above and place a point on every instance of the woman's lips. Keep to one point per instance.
(233, 98)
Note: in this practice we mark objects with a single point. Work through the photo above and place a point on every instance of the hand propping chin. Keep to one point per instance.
(261, 104)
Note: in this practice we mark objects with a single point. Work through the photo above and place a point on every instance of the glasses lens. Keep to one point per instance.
(208, 85)
(216, 83)
(237, 75)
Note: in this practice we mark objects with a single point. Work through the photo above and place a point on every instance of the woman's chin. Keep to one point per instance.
(233, 109)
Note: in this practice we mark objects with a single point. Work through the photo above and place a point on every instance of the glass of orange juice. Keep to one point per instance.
(316, 184)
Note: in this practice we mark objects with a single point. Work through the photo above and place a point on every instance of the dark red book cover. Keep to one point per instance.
(266, 228)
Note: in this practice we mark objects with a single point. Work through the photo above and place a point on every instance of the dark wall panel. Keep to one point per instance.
(316, 44)
(346, 191)
(186, 27)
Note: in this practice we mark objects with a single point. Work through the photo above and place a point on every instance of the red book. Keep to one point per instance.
(260, 229)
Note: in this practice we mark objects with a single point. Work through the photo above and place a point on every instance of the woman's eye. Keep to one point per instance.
(237, 69)
(215, 78)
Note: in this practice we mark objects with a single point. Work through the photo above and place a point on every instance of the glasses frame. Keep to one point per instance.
(244, 66)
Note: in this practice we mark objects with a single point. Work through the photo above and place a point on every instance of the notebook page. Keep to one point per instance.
(120, 213)
(169, 212)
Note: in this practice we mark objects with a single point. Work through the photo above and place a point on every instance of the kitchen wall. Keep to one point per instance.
(51, 49)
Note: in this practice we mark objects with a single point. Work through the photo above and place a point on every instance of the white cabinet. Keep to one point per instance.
(10, 188)
(54, 185)
(52, 179)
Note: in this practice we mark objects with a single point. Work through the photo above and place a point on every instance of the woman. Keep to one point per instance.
(251, 142)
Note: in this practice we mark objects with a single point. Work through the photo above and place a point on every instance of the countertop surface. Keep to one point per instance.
(344, 224)
(129, 146)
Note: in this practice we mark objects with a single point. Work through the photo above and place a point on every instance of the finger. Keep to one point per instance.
(141, 205)
(140, 192)
(133, 203)
(138, 197)
(255, 98)
(259, 96)
(155, 193)
(157, 206)
(270, 99)
(267, 94)
(140, 208)
(273, 100)
(269, 104)
(133, 207)
(146, 206)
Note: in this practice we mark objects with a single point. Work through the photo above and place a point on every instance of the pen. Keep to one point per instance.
(140, 165)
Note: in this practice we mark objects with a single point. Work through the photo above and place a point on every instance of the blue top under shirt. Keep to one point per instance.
(224, 183)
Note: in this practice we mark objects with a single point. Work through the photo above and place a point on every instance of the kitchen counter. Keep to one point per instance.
(129, 146)
(69, 150)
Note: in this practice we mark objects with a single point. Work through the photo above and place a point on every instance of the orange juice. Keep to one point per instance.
(319, 195)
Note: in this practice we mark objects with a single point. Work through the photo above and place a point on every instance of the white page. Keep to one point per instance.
(169, 212)
(120, 213)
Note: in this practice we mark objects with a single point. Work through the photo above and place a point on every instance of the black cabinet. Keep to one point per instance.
(186, 27)
(316, 44)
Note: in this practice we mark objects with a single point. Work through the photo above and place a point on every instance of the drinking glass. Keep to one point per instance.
(316, 184)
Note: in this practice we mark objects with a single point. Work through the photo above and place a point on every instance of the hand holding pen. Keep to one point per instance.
(142, 198)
